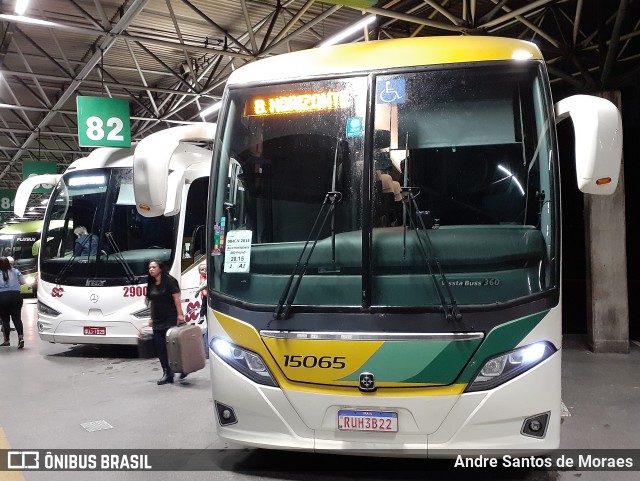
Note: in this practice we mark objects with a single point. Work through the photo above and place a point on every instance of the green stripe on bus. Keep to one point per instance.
(447, 365)
(501, 339)
(396, 361)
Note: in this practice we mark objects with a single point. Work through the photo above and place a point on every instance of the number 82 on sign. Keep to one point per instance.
(103, 122)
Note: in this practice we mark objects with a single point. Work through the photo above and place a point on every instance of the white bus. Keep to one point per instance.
(97, 297)
(342, 319)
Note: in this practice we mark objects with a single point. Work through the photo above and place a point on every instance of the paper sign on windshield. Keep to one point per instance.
(237, 251)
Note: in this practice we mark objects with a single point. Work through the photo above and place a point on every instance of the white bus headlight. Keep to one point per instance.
(29, 280)
(500, 369)
(246, 362)
(46, 310)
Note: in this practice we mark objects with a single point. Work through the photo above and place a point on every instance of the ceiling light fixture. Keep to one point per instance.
(209, 110)
(348, 31)
(21, 6)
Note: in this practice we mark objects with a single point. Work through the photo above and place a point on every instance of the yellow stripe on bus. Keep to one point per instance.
(246, 336)
(378, 55)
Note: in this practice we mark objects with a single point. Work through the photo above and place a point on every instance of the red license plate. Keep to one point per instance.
(95, 331)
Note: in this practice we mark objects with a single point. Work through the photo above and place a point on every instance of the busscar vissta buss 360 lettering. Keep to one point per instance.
(95, 245)
(384, 247)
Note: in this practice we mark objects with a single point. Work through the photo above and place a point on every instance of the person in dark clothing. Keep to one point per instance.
(163, 294)
(86, 244)
(11, 301)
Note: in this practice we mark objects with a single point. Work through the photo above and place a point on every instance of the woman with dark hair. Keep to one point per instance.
(163, 294)
(11, 301)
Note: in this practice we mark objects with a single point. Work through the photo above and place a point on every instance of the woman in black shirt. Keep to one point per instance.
(163, 294)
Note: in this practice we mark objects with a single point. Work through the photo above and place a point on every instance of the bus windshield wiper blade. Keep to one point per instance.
(62, 274)
(120, 258)
(289, 293)
(451, 309)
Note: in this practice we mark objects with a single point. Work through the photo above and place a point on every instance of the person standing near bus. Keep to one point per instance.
(11, 301)
(163, 295)
(202, 292)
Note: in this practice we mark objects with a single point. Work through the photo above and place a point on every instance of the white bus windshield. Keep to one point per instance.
(92, 230)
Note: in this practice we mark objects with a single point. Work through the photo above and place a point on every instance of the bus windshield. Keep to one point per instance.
(93, 231)
(443, 189)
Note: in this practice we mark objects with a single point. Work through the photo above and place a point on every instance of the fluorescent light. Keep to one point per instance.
(31, 21)
(87, 180)
(211, 109)
(21, 6)
(348, 31)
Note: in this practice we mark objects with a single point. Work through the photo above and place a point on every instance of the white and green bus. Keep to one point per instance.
(22, 242)
(343, 319)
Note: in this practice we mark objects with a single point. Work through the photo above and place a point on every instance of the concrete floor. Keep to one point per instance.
(50, 390)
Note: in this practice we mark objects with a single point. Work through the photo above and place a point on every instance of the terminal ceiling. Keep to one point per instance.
(170, 58)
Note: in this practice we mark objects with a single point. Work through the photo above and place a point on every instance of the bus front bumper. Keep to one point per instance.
(88, 332)
(428, 426)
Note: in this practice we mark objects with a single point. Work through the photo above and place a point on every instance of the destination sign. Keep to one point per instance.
(297, 103)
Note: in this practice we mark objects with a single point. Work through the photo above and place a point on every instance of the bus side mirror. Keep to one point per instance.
(598, 136)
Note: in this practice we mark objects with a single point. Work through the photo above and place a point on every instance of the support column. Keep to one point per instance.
(606, 269)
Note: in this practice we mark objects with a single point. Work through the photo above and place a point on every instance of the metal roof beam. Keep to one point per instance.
(444, 12)
(614, 42)
(217, 27)
(516, 12)
(142, 79)
(413, 19)
(247, 20)
(107, 43)
(98, 83)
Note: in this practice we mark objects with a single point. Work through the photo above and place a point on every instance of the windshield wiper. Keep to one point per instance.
(410, 207)
(62, 274)
(289, 293)
(450, 309)
(131, 277)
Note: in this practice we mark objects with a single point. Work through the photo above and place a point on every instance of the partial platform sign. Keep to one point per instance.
(7, 197)
(103, 122)
(30, 168)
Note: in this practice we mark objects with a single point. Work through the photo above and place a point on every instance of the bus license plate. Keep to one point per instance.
(95, 331)
(381, 421)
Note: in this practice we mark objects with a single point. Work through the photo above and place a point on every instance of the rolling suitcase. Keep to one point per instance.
(146, 346)
(185, 349)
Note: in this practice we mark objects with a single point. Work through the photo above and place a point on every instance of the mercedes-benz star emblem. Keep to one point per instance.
(93, 298)
(367, 382)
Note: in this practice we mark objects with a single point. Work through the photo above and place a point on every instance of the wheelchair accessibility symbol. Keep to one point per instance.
(390, 91)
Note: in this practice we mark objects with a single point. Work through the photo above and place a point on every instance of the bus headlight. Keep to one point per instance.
(246, 362)
(500, 369)
(46, 310)
(29, 280)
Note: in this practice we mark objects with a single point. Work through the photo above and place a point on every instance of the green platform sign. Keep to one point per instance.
(103, 122)
(29, 169)
(7, 197)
